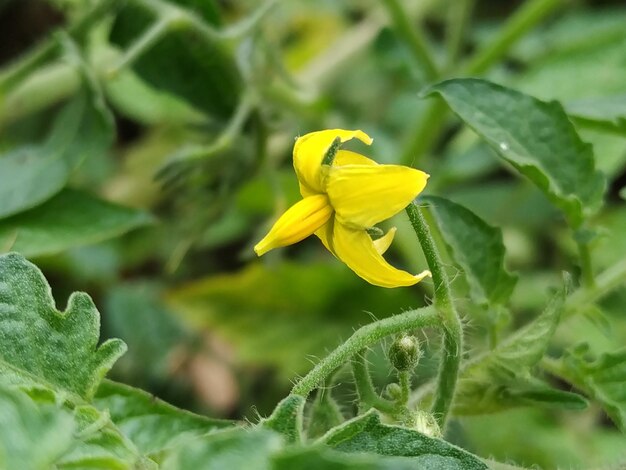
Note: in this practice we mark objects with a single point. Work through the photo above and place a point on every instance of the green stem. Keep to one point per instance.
(452, 327)
(365, 337)
(364, 386)
(425, 133)
(524, 19)
(404, 377)
(46, 50)
(586, 266)
(413, 38)
(458, 20)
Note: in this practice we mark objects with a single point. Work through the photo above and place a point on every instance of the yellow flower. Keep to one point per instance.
(344, 195)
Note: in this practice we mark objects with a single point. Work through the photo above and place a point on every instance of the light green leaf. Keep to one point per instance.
(69, 219)
(602, 378)
(41, 345)
(32, 174)
(366, 433)
(497, 379)
(286, 419)
(31, 436)
(535, 137)
(477, 247)
(241, 449)
(151, 424)
(607, 110)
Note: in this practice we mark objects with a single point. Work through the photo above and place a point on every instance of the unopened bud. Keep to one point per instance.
(405, 353)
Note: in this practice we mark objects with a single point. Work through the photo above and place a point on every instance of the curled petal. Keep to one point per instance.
(364, 195)
(346, 157)
(309, 151)
(383, 243)
(301, 220)
(357, 250)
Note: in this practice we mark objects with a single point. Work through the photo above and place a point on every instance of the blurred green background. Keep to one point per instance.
(185, 146)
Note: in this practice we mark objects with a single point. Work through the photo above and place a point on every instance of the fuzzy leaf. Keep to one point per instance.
(151, 424)
(366, 433)
(32, 174)
(323, 415)
(534, 136)
(69, 219)
(41, 345)
(286, 419)
(477, 247)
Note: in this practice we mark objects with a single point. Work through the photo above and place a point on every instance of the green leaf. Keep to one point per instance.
(497, 379)
(69, 219)
(323, 414)
(100, 445)
(366, 433)
(239, 448)
(41, 345)
(31, 436)
(606, 110)
(477, 247)
(286, 419)
(602, 379)
(151, 424)
(32, 174)
(535, 137)
(205, 74)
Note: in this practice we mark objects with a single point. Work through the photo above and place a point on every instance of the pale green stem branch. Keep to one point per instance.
(586, 265)
(452, 327)
(365, 337)
(365, 388)
(458, 20)
(404, 377)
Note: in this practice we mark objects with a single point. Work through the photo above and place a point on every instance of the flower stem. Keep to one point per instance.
(458, 19)
(364, 386)
(413, 38)
(452, 327)
(364, 337)
(404, 377)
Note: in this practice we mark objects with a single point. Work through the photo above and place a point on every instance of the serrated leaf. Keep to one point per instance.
(534, 136)
(205, 74)
(32, 174)
(31, 436)
(366, 433)
(323, 414)
(477, 247)
(41, 345)
(602, 379)
(490, 382)
(71, 218)
(286, 419)
(239, 448)
(151, 424)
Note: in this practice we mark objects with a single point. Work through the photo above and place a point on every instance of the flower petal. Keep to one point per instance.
(363, 196)
(356, 249)
(383, 243)
(301, 220)
(346, 157)
(309, 150)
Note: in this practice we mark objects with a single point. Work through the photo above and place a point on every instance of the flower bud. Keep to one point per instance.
(405, 353)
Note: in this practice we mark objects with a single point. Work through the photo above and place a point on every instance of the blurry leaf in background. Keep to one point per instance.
(324, 413)
(184, 62)
(71, 218)
(151, 424)
(535, 137)
(281, 315)
(501, 378)
(607, 110)
(477, 247)
(42, 346)
(31, 436)
(31, 174)
(367, 434)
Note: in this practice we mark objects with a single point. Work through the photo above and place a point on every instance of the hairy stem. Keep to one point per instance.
(364, 337)
(452, 327)
(364, 386)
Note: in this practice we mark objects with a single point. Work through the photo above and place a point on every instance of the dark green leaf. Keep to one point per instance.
(31, 436)
(241, 449)
(41, 345)
(496, 380)
(205, 73)
(367, 434)
(69, 219)
(287, 418)
(477, 247)
(151, 424)
(534, 136)
(31, 174)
